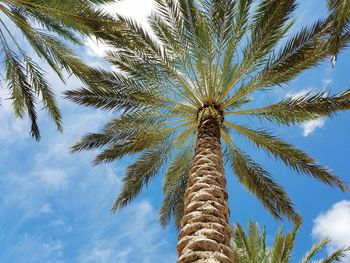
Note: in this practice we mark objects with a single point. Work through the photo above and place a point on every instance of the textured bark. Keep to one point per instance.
(205, 230)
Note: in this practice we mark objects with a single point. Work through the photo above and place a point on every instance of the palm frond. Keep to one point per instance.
(337, 255)
(255, 239)
(280, 251)
(42, 87)
(289, 243)
(140, 173)
(128, 144)
(113, 92)
(304, 50)
(23, 96)
(293, 110)
(259, 182)
(174, 186)
(92, 141)
(339, 15)
(291, 156)
(66, 12)
(240, 243)
(128, 134)
(269, 25)
(314, 250)
(278, 247)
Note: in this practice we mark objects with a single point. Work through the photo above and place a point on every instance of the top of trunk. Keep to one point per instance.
(210, 111)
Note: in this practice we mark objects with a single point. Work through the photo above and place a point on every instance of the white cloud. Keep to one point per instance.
(138, 239)
(134, 9)
(310, 126)
(334, 224)
(96, 48)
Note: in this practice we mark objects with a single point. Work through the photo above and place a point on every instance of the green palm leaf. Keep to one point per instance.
(302, 108)
(259, 182)
(291, 156)
(337, 255)
(256, 251)
(174, 186)
(139, 173)
(339, 15)
(314, 250)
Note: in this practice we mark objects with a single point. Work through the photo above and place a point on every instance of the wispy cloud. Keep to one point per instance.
(51, 178)
(57, 205)
(137, 10)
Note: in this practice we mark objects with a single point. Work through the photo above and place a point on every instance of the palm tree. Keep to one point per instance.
(47, 26)
(251, 247)
(179, 96)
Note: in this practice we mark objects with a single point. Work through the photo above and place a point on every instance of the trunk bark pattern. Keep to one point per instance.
(205, 231)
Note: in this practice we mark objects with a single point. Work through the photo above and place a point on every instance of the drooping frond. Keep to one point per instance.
(140, 173)
(144, 133)
(259, 182)
(174, 186)
(49, 27)
(291, 156)
(23, 96)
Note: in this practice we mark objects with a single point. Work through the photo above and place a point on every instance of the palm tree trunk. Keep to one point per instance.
(205, 230)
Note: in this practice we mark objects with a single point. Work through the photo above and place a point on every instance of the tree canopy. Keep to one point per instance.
(208, 55)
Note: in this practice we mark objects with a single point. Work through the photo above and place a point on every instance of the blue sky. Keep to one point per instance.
(54, 206)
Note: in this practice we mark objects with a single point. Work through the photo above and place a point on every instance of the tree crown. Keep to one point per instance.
(207, 55)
